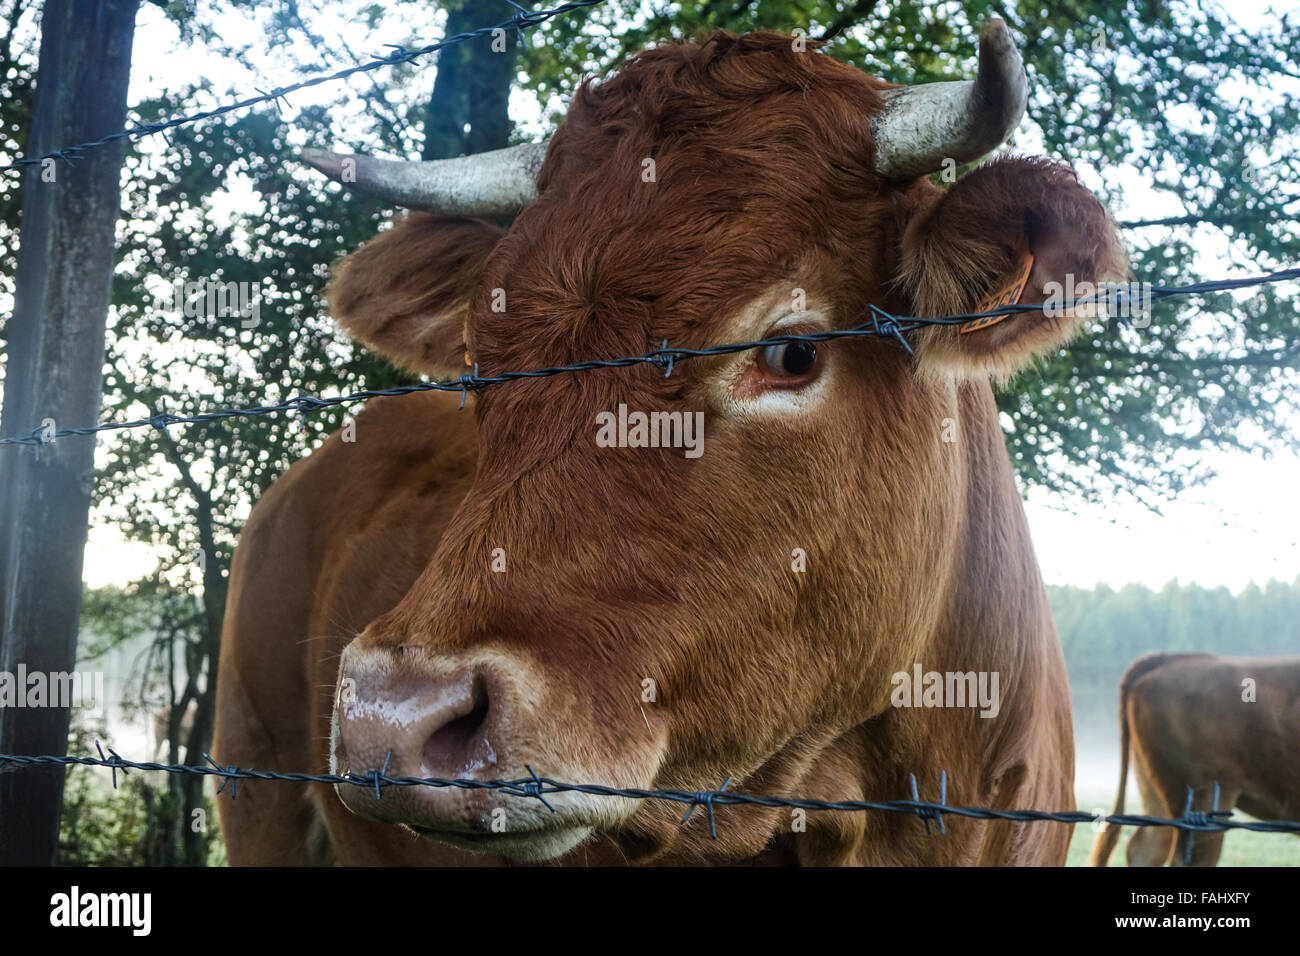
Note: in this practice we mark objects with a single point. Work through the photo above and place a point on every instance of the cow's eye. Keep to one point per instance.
(790, 361)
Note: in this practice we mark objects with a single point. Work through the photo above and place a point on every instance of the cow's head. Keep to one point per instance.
(645, 617)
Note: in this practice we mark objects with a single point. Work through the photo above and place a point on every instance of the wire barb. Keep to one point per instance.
(114, 761)
(469, 382)
(380, 775)
(534, 788)
(705, 799)
(664, 358)
(227, 775)
(930, 811)
(885, 325)
(1210, 821)
(160, 419)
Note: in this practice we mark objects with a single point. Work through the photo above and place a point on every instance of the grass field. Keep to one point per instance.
(1240, 847)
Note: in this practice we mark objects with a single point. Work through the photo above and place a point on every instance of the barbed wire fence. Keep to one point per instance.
(536, 787)
(879, 323)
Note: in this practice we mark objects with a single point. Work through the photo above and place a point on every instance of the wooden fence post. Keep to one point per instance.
(53, 378)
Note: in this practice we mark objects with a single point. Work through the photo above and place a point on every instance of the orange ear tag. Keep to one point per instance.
(1007, 295)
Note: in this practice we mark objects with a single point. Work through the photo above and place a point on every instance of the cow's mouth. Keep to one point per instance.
(522, 845)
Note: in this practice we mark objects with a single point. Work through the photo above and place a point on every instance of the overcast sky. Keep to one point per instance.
(1240, 527)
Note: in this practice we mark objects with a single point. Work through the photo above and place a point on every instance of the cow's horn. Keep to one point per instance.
(921, 126)
(491, 185)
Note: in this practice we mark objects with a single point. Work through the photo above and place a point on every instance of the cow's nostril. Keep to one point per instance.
(460, 746)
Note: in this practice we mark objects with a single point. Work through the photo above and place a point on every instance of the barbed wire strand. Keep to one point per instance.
(517, 23)
(538, 787)
(880, 324)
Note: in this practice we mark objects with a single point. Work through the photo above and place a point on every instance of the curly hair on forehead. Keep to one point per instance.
(727, 93)
(690, 177)
(733, 66)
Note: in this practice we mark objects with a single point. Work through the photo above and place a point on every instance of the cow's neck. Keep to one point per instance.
(996, 620)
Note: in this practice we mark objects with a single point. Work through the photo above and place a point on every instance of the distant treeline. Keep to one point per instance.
(1103, 630)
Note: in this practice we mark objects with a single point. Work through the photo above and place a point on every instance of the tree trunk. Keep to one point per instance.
(203, 662)
(55, 363)
(469, 109)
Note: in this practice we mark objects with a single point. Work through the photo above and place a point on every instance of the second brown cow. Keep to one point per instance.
(1197, 720)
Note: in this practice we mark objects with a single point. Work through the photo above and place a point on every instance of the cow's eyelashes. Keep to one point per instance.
(789, 363)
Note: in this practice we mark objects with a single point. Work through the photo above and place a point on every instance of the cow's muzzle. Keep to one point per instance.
(444, 720)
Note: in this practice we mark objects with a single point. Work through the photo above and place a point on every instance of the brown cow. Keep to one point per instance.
(1194, 720)
(470, 594)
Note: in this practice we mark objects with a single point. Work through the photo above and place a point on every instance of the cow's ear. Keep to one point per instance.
(405, 292)
(974, 243)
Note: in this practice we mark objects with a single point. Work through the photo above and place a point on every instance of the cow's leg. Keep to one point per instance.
(1206, 848)
(1149, 846)
(268, 822)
